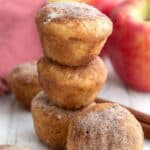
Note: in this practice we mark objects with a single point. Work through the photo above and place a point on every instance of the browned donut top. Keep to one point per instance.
(26, 69)
(12, 147)
(25, 73)
(67, 10)
(105, 113)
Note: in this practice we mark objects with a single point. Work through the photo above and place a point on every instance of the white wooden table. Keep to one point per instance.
(16, 125)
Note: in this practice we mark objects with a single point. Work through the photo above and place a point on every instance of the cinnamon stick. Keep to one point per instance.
(146, 129)
(143, 118)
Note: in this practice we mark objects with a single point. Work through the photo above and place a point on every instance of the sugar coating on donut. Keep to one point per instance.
(78, 10)
(26, 69)
(104, 129)
(105, 120)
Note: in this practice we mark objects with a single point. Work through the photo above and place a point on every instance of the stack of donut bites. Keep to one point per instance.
(71, 74)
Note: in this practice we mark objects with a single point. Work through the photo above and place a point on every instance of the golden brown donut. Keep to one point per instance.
(72, 87)
(51, 122)
(72, 33)
(24, 82)
(12, 147)
(105, 127)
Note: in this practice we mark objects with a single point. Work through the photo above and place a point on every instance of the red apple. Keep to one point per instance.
(129, 45)
(106, 6)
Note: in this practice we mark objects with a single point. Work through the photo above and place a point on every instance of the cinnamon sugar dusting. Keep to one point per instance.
(104, 130)
(26, 69)
(55, 10)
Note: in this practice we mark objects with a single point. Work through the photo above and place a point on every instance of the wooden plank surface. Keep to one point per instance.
(16, 125)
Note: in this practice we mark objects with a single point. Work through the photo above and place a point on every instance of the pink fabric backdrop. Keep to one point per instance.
(19, 41)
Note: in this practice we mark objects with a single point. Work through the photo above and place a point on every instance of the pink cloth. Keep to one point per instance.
(19, 41)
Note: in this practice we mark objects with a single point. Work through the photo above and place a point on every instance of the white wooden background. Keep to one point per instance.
(16, 125)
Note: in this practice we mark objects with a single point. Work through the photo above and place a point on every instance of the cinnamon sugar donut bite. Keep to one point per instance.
(72, 33)
(51, 122)
(24, 83)
(105, 127)
(72, 87)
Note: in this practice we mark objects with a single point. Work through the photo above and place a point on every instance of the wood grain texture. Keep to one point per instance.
(16, 125)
